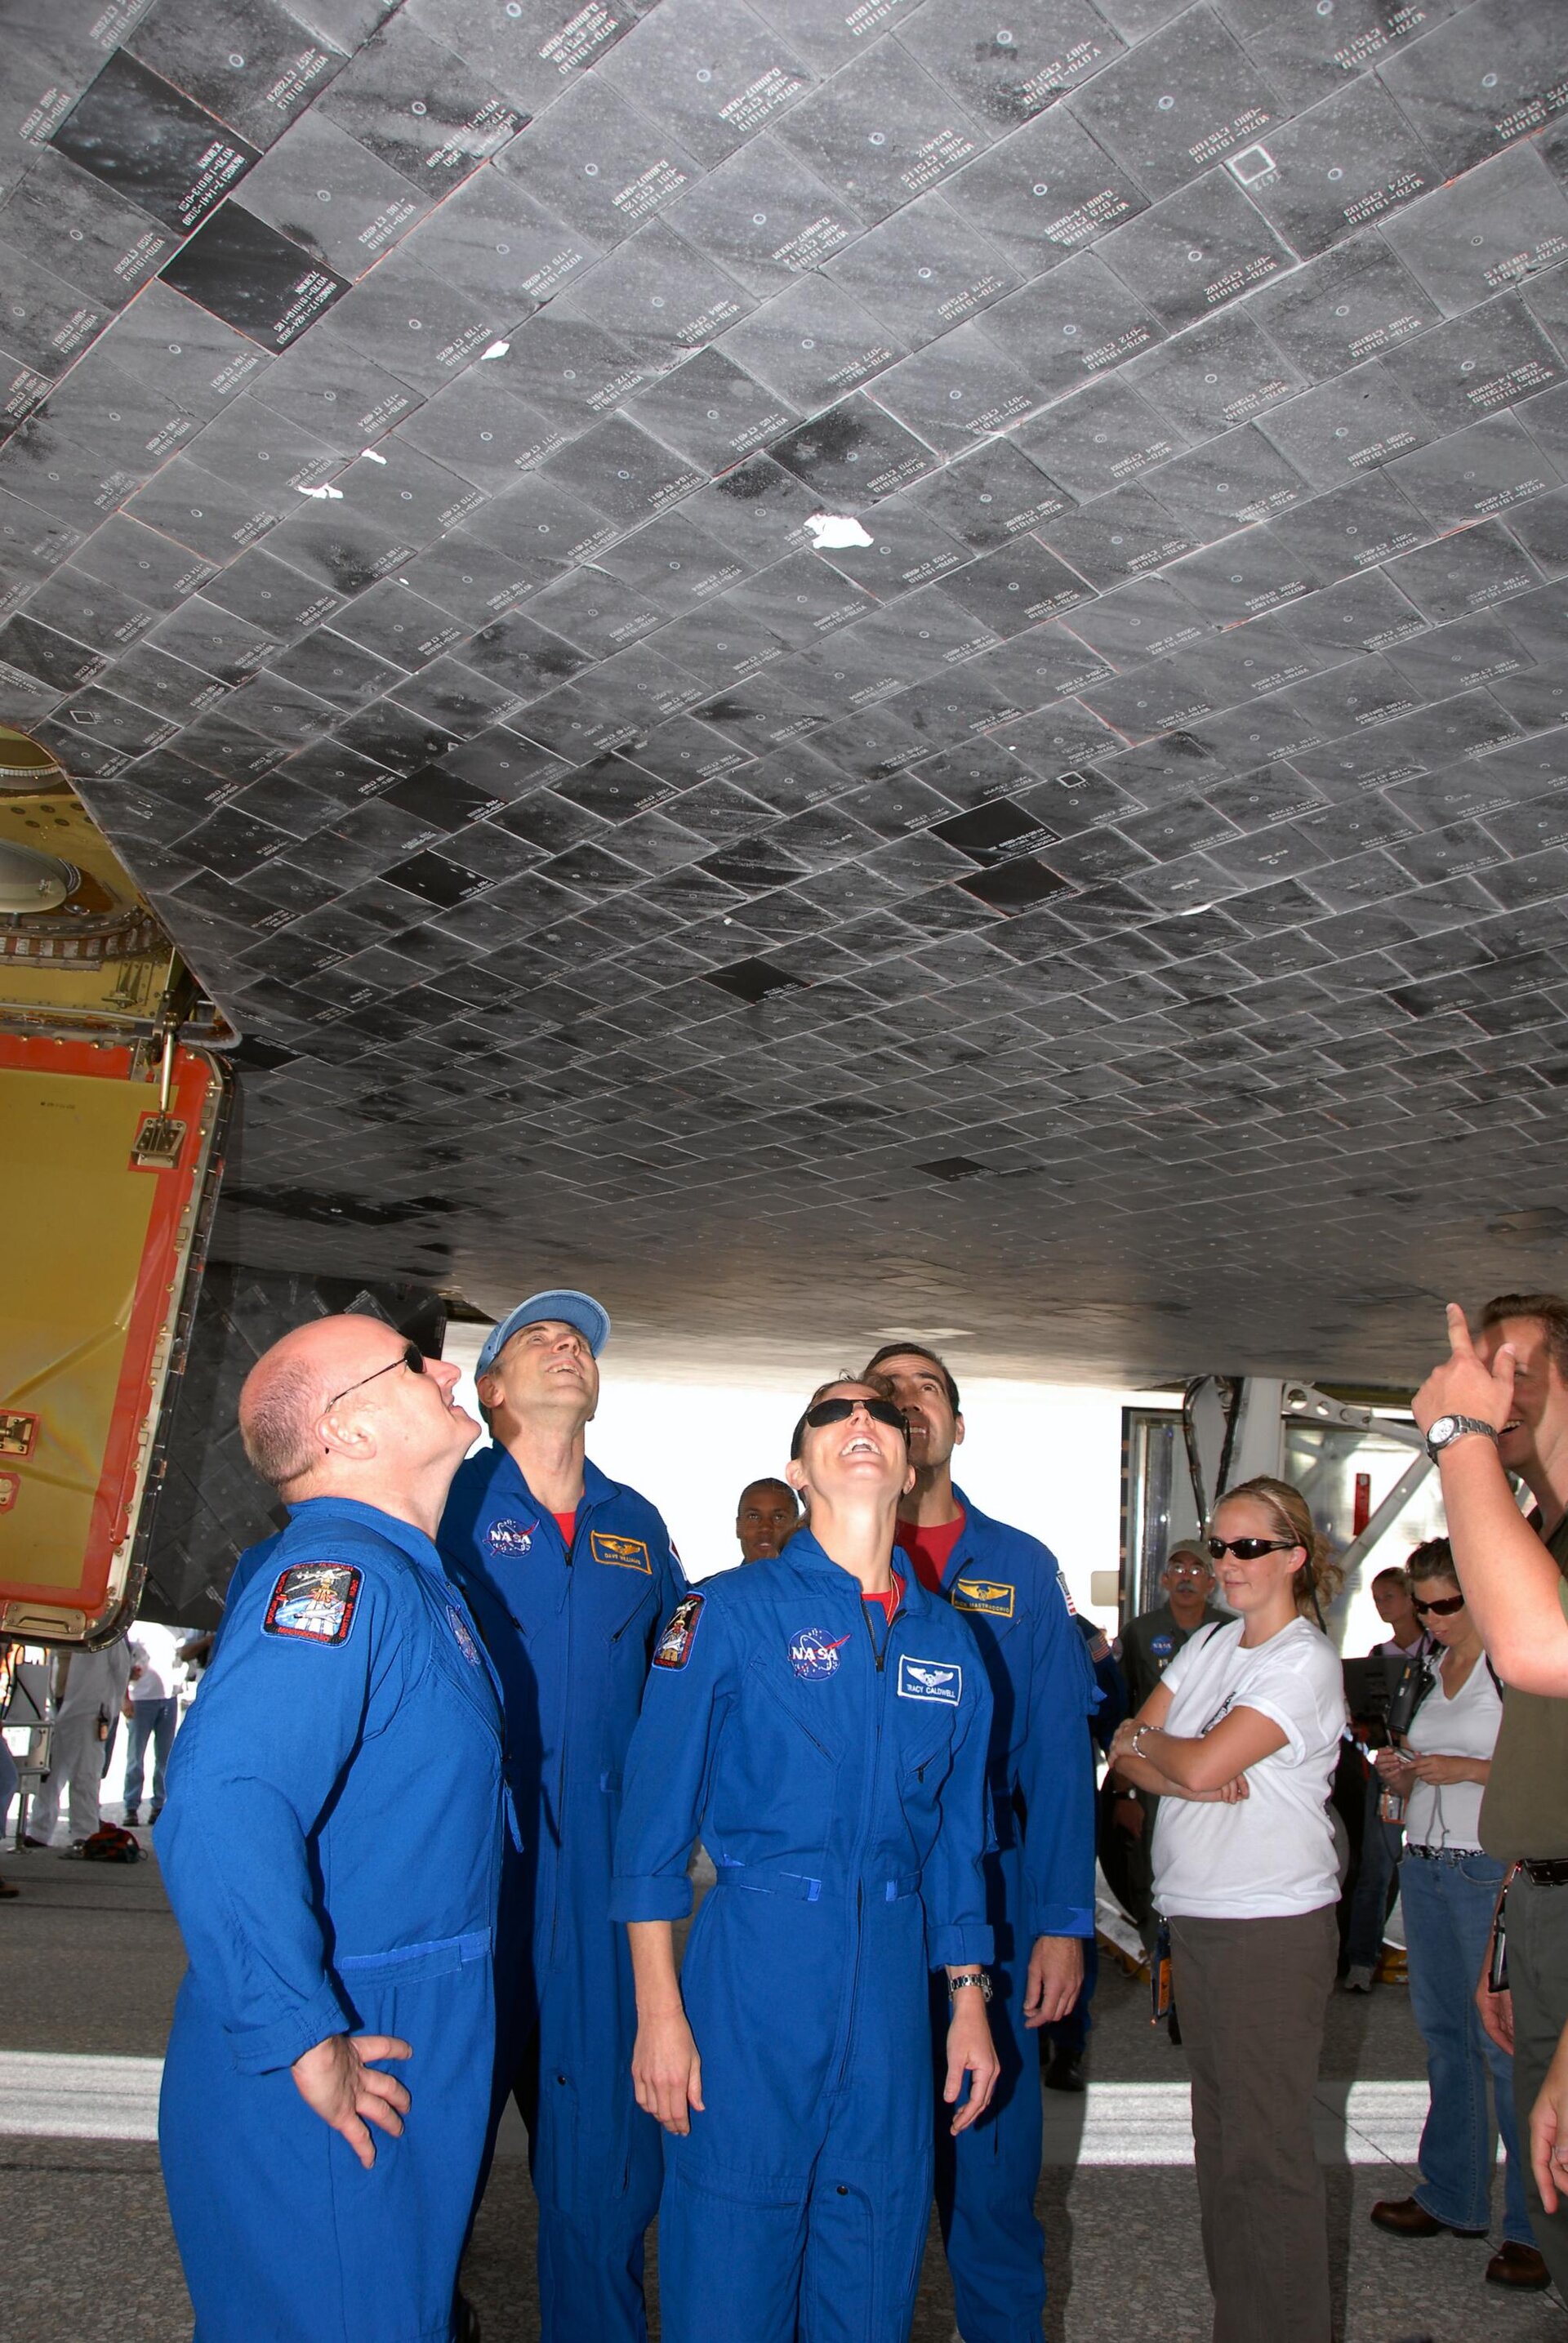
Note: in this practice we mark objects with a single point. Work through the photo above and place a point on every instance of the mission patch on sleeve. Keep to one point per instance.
(314, 1601)
(674, 1646)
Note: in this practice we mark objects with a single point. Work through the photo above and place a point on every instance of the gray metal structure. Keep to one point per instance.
(1120, 913)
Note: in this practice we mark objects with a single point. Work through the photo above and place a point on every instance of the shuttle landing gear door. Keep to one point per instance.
(108, 1166)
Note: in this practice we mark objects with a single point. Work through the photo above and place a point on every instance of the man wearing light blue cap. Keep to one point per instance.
(572, 1577)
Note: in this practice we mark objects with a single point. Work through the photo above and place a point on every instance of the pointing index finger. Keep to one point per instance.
(1459, 1341)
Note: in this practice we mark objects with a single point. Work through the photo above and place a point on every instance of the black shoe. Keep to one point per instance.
(466, 2326)
(1403, 2218)
(153, 1814)
(130, 1818)
(1173, 2026)
(1065, 2071)
(1517, 2264)
(40, 1845)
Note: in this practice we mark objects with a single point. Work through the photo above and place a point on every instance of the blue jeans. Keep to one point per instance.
(154, 1721)
(1369, 1888)
(1448, 1908)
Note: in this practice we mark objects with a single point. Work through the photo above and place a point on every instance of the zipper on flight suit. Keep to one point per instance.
(880, 1695)
(566, 1729)
(880, 1655)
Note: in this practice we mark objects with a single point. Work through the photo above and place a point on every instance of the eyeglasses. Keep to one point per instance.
(839, 1411)
(1187, 1570)
(1445, 1608)
(1249, 1549)
(412, 1357)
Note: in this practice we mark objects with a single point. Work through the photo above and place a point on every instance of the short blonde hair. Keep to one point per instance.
(1320, 1578)
(278, 1420)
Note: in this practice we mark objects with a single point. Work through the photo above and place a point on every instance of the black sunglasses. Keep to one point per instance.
(839, 1411)
(412, 1357)
(1446, 1606)
(1249, 1549)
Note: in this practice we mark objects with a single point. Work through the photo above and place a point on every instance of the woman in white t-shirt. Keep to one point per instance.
(1239, 1742)
(1449, 1893)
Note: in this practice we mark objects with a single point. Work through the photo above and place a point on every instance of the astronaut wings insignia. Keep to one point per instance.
(931, 1680)
(628, 1553)
(988, 1595)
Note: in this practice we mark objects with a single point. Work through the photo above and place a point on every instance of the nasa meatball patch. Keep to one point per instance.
(673, 1648)
(314, 1602)
(931, 1680)
(506, 1536)
(814, 1654)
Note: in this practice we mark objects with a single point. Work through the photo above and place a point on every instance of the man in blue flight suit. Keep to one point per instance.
(824, 1726)
(1062, 2042)
(332, 1848)
(570, 1576)
(1041, 1877)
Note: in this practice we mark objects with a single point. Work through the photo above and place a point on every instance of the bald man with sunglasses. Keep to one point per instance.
(332, 1846)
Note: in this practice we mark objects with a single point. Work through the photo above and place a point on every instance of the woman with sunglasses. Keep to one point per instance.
(1239, 1742)
(1449, 1890)
(824, 1724)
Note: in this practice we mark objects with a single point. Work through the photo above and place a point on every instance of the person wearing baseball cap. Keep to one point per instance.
(571, 1576)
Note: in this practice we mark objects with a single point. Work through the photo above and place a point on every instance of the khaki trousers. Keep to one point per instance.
(1538, 1981)
(1252, 1996)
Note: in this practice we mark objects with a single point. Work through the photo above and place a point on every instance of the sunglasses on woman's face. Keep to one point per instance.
(1247, 1549)
(839, 1411)
(1445, 1606)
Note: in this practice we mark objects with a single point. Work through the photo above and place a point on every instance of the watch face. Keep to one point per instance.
(1442, 1430)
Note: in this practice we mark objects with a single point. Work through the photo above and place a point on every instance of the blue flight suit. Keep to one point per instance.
(1040, 1883)
(835, 1767)
(571, 1636)
(332, 1848)
(1071, 2033)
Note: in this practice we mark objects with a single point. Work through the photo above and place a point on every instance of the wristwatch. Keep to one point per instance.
(970, 1977)
(1447, 1428)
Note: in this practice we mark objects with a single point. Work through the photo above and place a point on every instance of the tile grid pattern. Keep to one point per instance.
(1147, 857)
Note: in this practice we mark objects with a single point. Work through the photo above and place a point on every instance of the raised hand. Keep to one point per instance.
(1464, 1384)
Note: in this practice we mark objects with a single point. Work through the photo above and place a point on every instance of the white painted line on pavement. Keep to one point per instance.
(55, 2095)
(1150, 2123)
(58, 2094)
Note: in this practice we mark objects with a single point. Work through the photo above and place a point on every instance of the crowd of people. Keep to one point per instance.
(71, 1720)
(431, 1830)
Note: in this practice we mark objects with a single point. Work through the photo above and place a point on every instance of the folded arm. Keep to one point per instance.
(1206, 1766)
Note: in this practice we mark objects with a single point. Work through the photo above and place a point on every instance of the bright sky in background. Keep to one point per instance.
(1045, 1456)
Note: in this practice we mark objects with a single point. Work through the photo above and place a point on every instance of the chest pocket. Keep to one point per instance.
(801, 1714)
(453, 1637)
(626, 1610)
(925, 1730)
(991, 1601)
